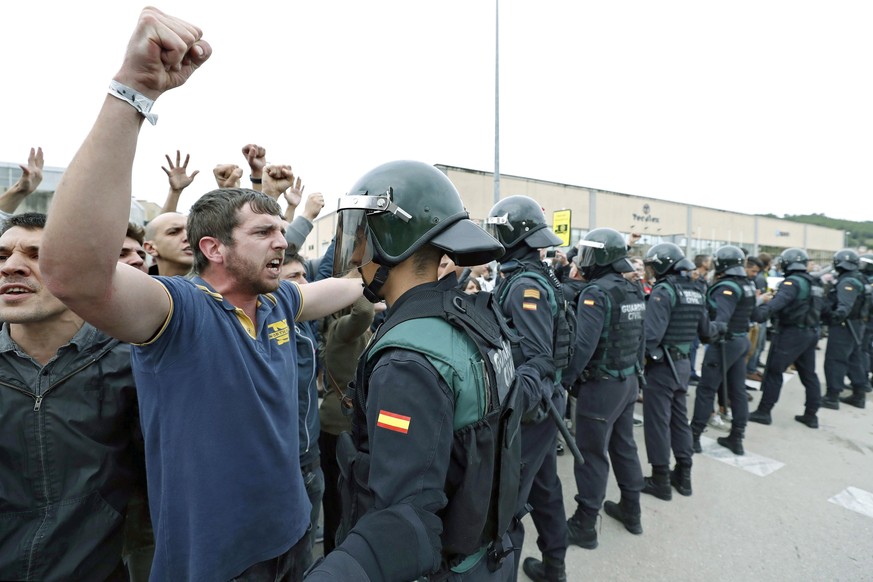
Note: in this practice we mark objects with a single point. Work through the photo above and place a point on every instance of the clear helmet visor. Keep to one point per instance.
(586, 255)
(353, 247)
(492, 225)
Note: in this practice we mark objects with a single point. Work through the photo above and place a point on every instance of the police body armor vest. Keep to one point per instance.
(743, 288)
(805, 311)
(688, 305)
(618, 351)
(868, 298)
(860, 306)
(484, 473)
(564, 328)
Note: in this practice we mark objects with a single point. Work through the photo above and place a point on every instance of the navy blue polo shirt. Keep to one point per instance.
(219, 417)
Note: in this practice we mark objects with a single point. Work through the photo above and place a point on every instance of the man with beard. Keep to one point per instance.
(214, 353)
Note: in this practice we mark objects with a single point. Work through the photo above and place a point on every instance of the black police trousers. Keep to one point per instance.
(844, 357)
(731, 354)
(666, 414)
(540, 487)
(604, 426)
(791, 345)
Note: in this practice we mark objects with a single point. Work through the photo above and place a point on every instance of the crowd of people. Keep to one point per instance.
(196, 400)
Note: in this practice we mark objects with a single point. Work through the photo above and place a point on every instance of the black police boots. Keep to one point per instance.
(680, 477)
(733, 441)
(659, 483)
(695, 442)
(808, 418)
(762, 415)
(831, 401)
(581, 530)
(627, 512)
(858, 399)
(549, 570)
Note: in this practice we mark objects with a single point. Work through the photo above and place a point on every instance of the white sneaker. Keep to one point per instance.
(726, 416)
(717, 423)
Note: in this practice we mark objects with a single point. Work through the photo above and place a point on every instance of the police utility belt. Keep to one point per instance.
(590, 374)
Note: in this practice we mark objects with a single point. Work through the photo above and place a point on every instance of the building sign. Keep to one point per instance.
(561, 226)
(646, 216)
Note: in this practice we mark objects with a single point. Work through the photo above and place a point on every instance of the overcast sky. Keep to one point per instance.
(751, 106)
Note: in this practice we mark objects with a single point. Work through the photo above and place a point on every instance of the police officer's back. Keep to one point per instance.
(532, 300)
(844, 313)
(795, 311)
(730, 300)
(676, 315)
(609, 355)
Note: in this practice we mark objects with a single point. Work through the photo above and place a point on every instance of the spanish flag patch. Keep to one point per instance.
(392, 421)
(529, 306)
(588, 302)
(727, 292)
(531, 294)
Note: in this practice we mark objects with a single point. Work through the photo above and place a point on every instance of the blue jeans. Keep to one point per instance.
(313, 479)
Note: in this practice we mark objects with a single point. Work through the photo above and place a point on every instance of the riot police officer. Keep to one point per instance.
(866, 262)
(730, 301)
(531, 298)
(675, 315)
(795, 310)
(844, 314)
(609, 355)
(421, 480)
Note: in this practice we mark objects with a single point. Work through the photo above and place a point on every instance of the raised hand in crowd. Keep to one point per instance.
(177, 51)
(256, 156)
(179, 179)
(31, 177)
(313, 206)
(278, 178)
(227, 175)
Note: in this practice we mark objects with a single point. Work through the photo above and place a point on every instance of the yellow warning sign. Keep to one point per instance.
(561, 226)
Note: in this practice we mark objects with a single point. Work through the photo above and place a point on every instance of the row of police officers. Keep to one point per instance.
(459, 398)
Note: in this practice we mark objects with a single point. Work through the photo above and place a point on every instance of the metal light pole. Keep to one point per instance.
(496, 101)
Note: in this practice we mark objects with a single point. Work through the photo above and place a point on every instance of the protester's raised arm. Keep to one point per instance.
(88, 217)
(256, 157)
(31, 176)
(177, 176)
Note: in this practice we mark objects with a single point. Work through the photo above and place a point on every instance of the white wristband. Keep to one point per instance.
(135, 99)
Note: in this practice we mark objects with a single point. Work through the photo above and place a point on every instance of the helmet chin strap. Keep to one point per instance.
(371, 289)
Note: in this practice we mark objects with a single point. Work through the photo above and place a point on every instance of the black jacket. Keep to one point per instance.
(66, 458)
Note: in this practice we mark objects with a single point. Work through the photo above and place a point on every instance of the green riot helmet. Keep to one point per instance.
(794, 259)
(397, 208)
(603, 247)
(729, 260)
(847, 260)
(866, 263)
(518, 219)
(666, 257)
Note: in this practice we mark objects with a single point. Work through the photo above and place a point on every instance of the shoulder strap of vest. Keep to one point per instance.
(476, 313)
(803, 284)
(670, 286)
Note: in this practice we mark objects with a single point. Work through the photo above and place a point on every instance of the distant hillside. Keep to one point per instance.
(860, 233)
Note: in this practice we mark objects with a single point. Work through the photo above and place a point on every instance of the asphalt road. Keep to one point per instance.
(781, 512)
